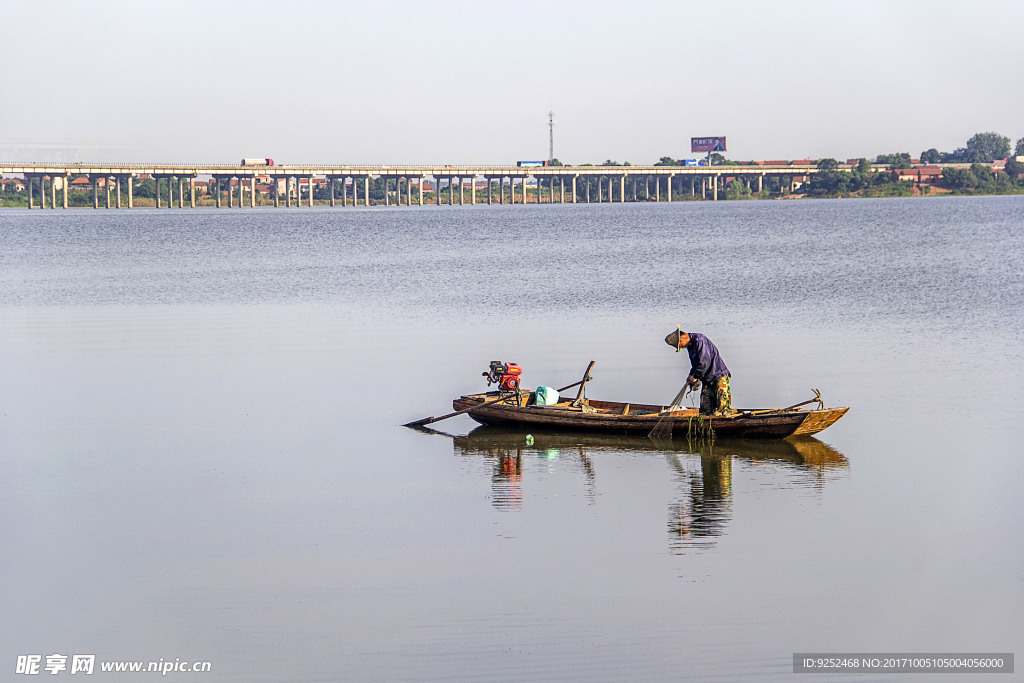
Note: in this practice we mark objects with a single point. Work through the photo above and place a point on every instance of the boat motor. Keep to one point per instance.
(505, 375)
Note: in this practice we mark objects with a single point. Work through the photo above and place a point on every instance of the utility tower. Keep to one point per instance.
(551, 136)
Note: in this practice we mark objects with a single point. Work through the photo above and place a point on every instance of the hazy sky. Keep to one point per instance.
(472, 82)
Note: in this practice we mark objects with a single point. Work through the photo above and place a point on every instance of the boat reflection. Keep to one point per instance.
(703, 471)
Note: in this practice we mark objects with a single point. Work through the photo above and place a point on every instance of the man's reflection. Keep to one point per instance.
(703, 508)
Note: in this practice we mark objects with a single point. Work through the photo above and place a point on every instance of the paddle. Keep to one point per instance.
(428, 420)
(816, 399)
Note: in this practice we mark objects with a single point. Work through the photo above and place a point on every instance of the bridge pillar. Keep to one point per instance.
(472, 189)
(717, 176)
(333, 181)
(366, 191)
(28, 188)
(53, 192)
(419, 189)
(668, 194)
(64, 188)
(96, 191)
(131, 191)
(170, 192)
(760, 183)
(622, 189)
(117, 196)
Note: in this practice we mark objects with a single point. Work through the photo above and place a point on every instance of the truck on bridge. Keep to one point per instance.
(257, 162)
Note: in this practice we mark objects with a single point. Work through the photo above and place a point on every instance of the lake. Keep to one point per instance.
(201, 456)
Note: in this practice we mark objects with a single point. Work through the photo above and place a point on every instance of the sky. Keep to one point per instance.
(452, 82)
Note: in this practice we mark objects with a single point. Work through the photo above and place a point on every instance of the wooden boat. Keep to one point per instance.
(630, 418)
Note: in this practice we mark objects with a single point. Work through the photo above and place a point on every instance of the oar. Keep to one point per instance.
(816, 399)
(428, 420)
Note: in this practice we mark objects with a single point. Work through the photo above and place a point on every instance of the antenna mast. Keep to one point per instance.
(551, 136)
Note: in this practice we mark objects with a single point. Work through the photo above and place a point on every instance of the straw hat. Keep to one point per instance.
(674, 338)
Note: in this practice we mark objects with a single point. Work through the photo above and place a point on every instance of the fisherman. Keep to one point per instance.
(706, 367)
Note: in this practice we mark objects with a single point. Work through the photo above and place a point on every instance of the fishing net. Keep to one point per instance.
(666, 424)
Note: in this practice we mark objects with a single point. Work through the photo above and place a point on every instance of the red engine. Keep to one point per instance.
(505, 375)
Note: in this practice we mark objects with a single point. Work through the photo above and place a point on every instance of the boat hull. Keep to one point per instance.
(625, 418)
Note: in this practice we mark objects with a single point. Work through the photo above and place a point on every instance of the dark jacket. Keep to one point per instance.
(705, 363)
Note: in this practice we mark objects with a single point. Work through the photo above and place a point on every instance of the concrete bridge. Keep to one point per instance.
(404, 184)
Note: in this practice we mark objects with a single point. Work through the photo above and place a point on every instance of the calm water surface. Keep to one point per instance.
(200, 457)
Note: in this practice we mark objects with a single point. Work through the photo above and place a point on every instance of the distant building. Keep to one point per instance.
(922, 175)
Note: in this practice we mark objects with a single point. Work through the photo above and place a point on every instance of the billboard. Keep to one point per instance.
(714, 144)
